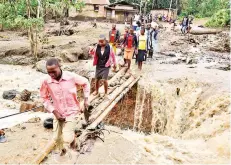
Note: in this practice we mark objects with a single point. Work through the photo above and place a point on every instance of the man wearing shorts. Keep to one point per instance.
(130, 44)
(104, 57)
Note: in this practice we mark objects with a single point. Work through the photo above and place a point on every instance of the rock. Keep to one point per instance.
(189, 61)
(160, 26)
(219, 67)
(25, 95)
(78, 52)
(23, 127)
(48, 123)
(171, 55)
(9, 95)
(192, 66)
(127, 76)
(11, 105)
(183, 59)
(30, 105)
(112, 84)
(68, 56)
(41, 66)
(85, 51)
(19, 51)
(34, 120)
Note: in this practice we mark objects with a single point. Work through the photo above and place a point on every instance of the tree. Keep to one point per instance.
(31, 14)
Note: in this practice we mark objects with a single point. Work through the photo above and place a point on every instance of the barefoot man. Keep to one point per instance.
(114, 36)
(104, 57)
(60, 87)
(130, 44)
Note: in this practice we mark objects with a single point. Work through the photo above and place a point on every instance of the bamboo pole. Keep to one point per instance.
(113, 103)
(38, 159)
(100, 109)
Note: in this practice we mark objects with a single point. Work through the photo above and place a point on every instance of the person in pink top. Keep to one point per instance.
(61, 87)
(103, 58)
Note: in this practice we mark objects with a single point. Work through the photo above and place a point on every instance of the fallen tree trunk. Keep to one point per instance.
(204, 31)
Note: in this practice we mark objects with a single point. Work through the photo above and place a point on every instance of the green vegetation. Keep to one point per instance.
(220, 19)
(31, 15)
(218, 10)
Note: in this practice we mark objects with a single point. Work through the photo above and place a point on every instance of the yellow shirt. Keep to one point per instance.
(142, 42)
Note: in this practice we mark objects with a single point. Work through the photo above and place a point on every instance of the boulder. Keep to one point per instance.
(68, 56)
(48, 123)
(9, 95)
(30, 105)
(25, 95)
(41, 66)
(77, 51)
(85, 54)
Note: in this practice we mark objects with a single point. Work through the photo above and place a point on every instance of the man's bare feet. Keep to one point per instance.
(128, 71)
(63, 152)
(106, 97)
(95, 93)
(73, 145)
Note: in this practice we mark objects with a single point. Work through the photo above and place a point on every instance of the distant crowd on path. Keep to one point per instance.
(141, 18)
(137, 42)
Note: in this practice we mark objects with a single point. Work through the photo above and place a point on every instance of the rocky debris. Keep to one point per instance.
(48, 47)
(68, 56)
(41, 66)
(30, 105)
(176, 43)
(17, 52)
(170, 61)
(193, 40)
(160, 26)
(10, 105)
(219, 67)
(169, 54)
(85, 53)
(46, 53)
(25, 95)
(9, 95)
(194, 66)
(17, 60)
(191, 60)
(34, 120)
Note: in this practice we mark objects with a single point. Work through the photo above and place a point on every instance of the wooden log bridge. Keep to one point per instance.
(119, 85)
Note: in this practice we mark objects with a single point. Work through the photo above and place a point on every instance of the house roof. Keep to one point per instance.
(97, 2)
(121, 9)
(124, 3)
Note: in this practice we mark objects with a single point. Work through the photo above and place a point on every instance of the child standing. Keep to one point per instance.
(142, 48)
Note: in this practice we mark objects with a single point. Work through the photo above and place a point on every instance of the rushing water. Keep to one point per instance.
(192, 125)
